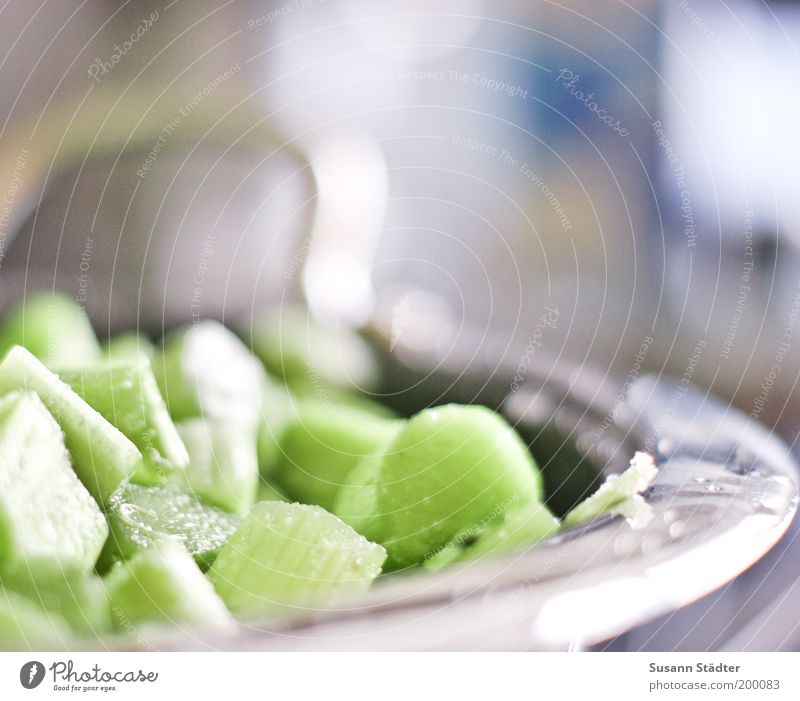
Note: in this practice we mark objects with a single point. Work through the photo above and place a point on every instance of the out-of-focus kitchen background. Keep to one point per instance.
(627, 171)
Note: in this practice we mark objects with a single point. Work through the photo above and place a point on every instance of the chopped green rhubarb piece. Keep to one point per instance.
(139, 516)
(78, 597)
(448, 469)
(24, 625)
(356, 502)
(205, 370)
(54, 328)
(223, 466)
(277, 410)
(101, 455)
(46, 514)
(322, 445)
(129, 346)
(288, 557)
(163, 585)
(126, 394)
(513, 529)
(620, 494)
(306, 354)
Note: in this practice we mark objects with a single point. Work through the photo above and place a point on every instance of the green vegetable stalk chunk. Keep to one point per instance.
(139, 516)
(322, 445)
(277, 410)
(54, 328)
(223, 466)
(129, 346)
(309, 356)
(78, 597)
(511, 530)
(449, 468)
(162, 585)
(46, 514)
(619, 494)
(127, 395)
(26, 626)
(205, 370)
(287, 558)
(101, 455)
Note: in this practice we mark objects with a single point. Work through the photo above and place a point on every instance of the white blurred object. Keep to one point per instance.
(352, 187)
(413, 32)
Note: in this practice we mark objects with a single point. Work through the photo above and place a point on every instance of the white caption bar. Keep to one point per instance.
(406, 676)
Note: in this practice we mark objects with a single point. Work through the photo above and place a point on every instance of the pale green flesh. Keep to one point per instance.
(223, 466)
(127, 395)
(24, 625)
(206, 371)
(277, 411)
(78, 597)
(356, 501)
(54, 328)
(138, 516)
(448, 468)
(128, 346)
(163, 585)
(619, 494)
(310, 357)
(323, 444)
(46, 514)
(512, 530)
(290, 558)
(101, 455)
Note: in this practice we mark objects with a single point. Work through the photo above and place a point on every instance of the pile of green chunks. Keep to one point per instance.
(212, 478)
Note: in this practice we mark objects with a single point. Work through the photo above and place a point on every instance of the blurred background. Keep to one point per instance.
(612, 183)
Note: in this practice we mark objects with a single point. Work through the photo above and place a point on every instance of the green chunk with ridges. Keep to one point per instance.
(127, 395)
(307, 355)
(78, 597)
(163, 586)
(46, 514)
(322, 445)
(223, 467)
(101, 455)
(54, 328)
(205, 370)
(511, 530)
(24, 625)
(287, 558)
(129, 346)
(449, 468)
(619, 494)
(139, 516)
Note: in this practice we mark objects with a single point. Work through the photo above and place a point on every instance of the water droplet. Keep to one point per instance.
(677, 529)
